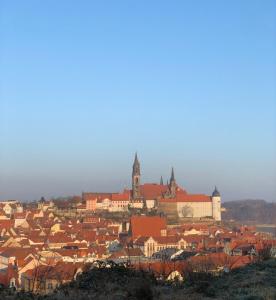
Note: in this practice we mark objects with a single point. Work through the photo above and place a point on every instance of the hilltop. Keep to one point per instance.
(255, 281)
(257, 211)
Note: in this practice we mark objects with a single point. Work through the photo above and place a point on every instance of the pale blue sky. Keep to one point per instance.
(85, 84)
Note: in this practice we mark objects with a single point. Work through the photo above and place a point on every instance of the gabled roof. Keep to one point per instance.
(17, 252)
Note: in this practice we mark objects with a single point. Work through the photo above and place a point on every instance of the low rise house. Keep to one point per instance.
(15, 256)
(217, 262)
(9, 277)
(45, 279)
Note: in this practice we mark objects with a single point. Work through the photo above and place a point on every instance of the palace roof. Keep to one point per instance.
(152, 190)
(184, 197)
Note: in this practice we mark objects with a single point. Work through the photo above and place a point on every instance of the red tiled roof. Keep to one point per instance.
(19, 253)
(152, 190)
(6, 224)
(120, 197)
(87, 235)
(59, 239)
(239, 261)
(147, 225)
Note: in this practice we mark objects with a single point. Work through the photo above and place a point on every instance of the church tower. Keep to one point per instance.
(172, 185)
(136, 178)
(216, 205)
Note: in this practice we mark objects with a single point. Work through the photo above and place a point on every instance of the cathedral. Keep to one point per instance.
(170, 199)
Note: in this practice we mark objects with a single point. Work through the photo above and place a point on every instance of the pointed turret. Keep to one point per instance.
(161, 181)
(42, 200)
(216, 205)
(216, 193)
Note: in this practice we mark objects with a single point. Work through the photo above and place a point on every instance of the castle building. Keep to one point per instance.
(168, 198)
(173, 200)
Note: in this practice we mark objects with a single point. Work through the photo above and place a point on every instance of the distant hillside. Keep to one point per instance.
(258, 211)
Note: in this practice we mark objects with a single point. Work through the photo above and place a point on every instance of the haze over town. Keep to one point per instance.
(186, 86)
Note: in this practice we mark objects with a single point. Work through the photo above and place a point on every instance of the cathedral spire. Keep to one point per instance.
(136, 158)
(161, 181)
(136, 174)
(172, 184)
(172, 176)
(136, 166)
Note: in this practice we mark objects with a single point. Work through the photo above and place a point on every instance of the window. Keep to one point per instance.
(50, 286)
(42, 285)
(12, 282)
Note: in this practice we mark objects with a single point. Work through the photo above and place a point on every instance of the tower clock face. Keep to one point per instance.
(187, 211)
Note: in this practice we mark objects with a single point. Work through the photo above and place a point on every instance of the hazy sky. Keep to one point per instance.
(189, 84)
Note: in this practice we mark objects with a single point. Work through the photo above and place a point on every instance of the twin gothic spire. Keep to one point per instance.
(136, 174)
(172, 186)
